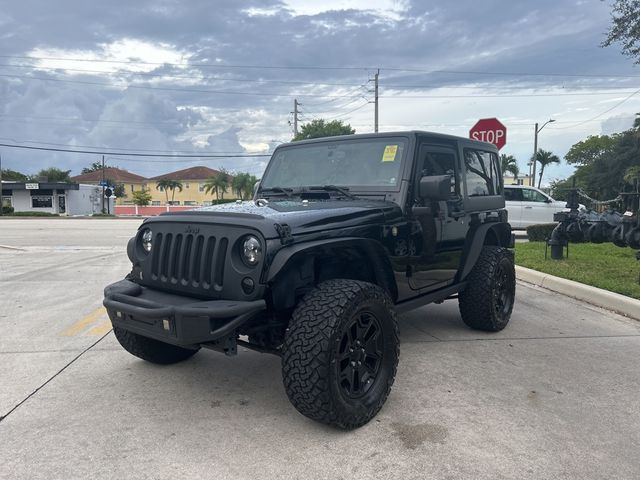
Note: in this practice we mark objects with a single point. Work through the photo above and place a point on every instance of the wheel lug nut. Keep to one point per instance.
(353, 364)
(359, 363)
(351, 350)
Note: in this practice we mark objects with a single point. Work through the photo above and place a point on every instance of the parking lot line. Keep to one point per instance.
(83, 323)
(100, 329)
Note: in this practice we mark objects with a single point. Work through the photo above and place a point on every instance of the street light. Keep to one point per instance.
(532, 180)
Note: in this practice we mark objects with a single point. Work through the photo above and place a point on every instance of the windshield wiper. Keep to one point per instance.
(286, 191)
(334, 188)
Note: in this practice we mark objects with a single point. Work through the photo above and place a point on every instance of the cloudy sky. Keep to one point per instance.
(196, 76)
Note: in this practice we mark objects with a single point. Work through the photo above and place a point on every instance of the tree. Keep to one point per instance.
(217, 184)
(593, 148)
(320, 128)
(545, 158)
(54, 174)
(118, 188)
(141, 198)
(509, 163)
(94, 167)
(632, 175)
(625, 17)
(167, 184)
(242, 185)
(14, 176)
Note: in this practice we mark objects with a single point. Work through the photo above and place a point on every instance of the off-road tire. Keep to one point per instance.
(151, 350)
(487, 301)
(315, 342)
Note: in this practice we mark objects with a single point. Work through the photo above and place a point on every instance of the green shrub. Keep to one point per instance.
(7, 209)
(34, 214)
(103, 215)
(540, 232)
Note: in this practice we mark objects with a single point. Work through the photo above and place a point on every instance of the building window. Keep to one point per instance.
(41, 201)
(6, 200)
(174, 202)
(201, 187)
(131, 187)
(186, 185)
(190, 203)
(155, 203)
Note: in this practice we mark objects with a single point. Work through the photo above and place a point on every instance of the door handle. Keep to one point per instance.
(528, 207)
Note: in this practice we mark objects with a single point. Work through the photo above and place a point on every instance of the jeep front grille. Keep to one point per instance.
(191, 261)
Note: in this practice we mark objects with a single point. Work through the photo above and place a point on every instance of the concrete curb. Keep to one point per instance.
(622, 304)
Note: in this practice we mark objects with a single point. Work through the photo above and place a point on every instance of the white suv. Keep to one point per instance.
(530, 206)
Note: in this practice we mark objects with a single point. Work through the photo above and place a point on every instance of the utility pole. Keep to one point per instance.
(375, 122)
(102, 183)
(532, 181)
(295, 116)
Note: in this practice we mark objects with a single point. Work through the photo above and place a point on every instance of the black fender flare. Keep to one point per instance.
(500, 233)
(374, 250)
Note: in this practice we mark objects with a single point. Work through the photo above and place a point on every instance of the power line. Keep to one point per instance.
(172, 89)
(600, 114)
(310, 95)
(347, 113)
(185, 77)
(282, 82)
(325, 67)
(168, 155)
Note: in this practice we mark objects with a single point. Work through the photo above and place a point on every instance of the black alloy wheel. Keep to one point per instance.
(360, 354)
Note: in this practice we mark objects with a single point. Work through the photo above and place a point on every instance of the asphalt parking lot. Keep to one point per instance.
(555, 395)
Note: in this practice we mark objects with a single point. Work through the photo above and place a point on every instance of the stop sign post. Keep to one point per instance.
(489, 130)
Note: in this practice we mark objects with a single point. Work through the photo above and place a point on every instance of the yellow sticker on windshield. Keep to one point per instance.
(389, 154)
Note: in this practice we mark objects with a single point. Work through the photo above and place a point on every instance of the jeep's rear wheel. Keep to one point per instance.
(151, 350)
(487, 301)
(340, 353)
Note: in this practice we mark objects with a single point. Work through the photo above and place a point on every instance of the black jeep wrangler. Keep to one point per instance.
(343, 233)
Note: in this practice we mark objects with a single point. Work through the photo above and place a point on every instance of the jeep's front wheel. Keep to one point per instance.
(487, 301)
(340, 353)
(151, 350)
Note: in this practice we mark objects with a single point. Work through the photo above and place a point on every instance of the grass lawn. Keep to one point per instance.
(601, 265)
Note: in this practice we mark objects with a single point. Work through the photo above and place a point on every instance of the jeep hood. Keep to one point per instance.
(301, 217)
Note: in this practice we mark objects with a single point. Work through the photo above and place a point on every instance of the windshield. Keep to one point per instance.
(347, 163)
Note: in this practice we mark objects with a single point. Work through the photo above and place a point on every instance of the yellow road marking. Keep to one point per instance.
(84, 322)
(100, 329)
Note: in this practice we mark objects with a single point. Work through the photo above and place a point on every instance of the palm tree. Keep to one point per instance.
(166, 184)
(217, 184)
(545, 157)
(509, 164)
(632, 175)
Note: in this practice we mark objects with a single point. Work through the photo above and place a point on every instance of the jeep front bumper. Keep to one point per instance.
(175, 319)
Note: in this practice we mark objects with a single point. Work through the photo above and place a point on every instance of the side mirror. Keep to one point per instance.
(435, 187)
(548, 200)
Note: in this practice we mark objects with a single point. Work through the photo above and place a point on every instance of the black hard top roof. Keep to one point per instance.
(405, 133)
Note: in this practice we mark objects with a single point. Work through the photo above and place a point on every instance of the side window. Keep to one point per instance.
(483, 173)
(533, 196)
(513, 194)
(439, 161)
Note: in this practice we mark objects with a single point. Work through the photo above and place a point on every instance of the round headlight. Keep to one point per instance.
(251, 251)
(147, 237)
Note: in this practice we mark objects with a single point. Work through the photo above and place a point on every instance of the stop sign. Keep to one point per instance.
(489, 130)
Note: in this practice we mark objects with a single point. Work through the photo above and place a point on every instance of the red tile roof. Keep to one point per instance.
(110, 173)
(193, 173)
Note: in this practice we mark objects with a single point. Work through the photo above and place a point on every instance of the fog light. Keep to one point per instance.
(247, 285)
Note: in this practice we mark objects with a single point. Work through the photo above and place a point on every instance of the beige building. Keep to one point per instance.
(193, 191)
(118, 176)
